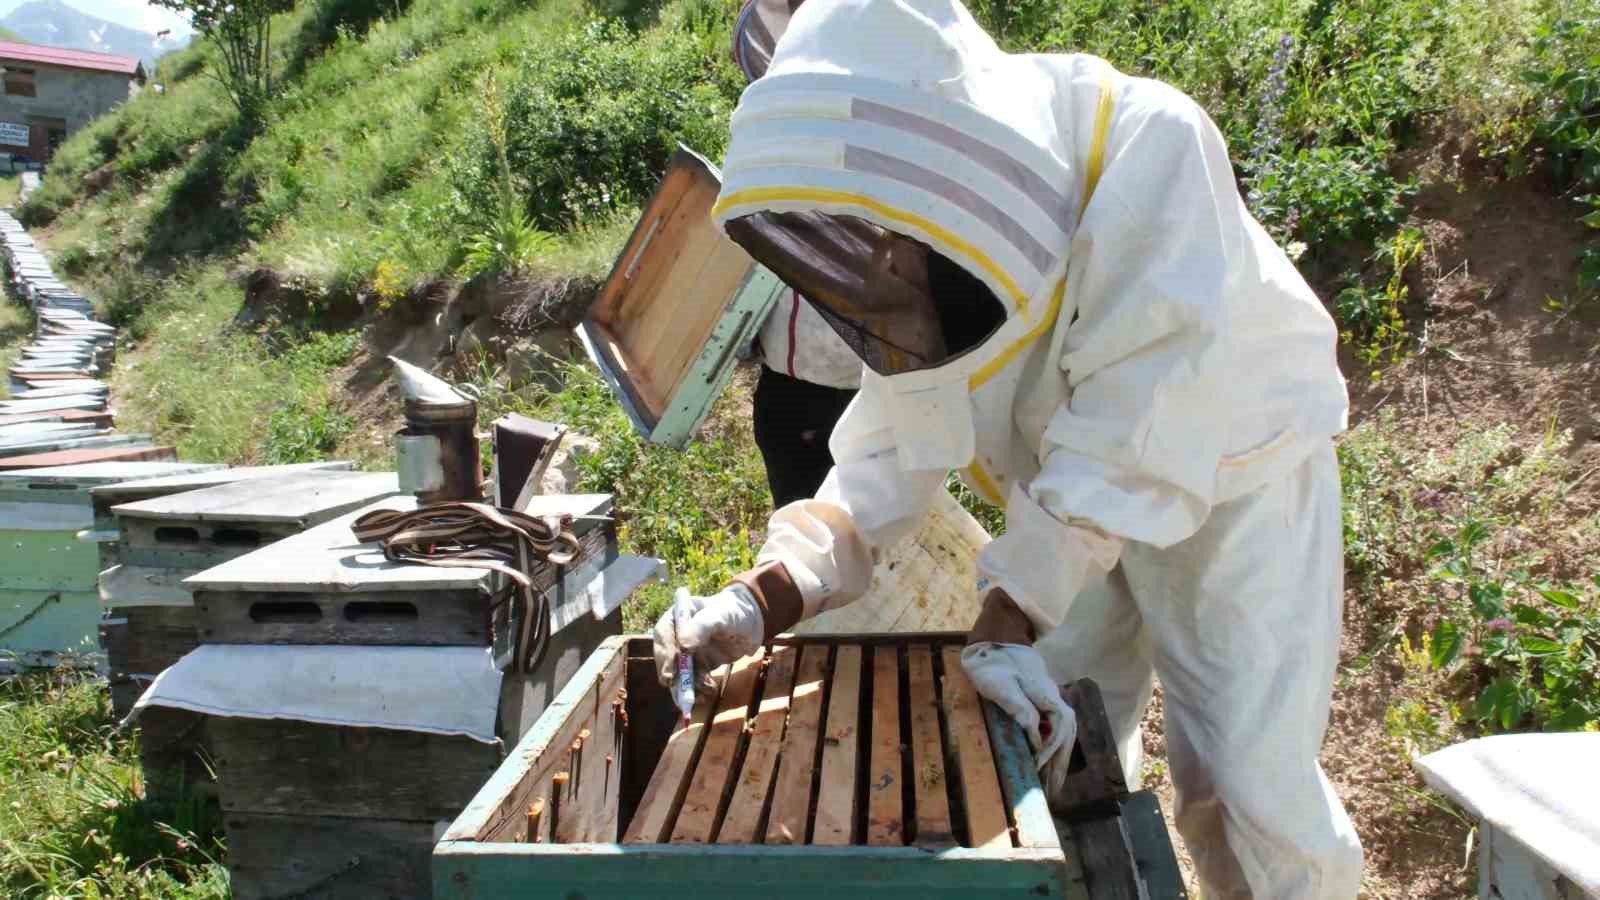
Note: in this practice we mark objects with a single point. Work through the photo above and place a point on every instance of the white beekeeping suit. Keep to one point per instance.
(1058, 291)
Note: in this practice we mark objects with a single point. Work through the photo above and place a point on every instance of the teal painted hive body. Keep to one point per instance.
(49, 601)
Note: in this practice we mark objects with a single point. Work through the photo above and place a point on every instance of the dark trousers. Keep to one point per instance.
(793, 421)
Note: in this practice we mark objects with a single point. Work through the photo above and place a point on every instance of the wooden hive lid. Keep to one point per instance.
(328, 558)
(91, 474)
(144, 489)
(283, 499)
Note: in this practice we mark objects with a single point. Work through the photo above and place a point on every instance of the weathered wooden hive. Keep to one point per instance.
(855, 766)
(329, 802)
(49, 607)
(183, 526)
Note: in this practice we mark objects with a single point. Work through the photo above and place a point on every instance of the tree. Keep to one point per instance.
(242, 31)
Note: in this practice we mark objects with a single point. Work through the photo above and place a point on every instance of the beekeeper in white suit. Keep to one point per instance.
(1056, 289)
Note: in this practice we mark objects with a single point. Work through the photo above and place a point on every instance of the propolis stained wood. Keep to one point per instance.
(799, 774)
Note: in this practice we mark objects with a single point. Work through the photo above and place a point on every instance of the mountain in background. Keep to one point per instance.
(56, 24)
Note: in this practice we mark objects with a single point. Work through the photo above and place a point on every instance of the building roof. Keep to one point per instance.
(71, 59)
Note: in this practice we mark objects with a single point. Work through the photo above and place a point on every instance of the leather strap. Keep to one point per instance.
(782, 607)
(1002, 622)
(480, 536)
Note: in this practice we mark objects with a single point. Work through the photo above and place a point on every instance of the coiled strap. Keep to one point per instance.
(480, 536)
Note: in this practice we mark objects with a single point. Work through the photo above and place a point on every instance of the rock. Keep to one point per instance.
(564, 472)
(538, 359)
(468, 343)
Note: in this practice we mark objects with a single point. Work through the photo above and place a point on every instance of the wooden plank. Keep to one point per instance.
(79, 457)
(886, 767)
(742, 823)
(467, 871)
(299, 498)
(1019, 780)
(1097, 789)
(134, 491)
(174, 753)
(547, 751)
(836, 803)
(791, 798)
(1153, 854)
(1107, 859)
(305, 768)
(934, 828)
(499, 810)
(272, 857)
(92, 416)
(154, 638)
(432, 618)
(716, 769)
(658, 807)
(973, 760)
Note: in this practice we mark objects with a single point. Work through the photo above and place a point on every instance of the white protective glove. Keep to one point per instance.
(1013, 677)
(715, 630)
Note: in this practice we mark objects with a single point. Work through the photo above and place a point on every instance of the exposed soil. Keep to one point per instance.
(1491, 346)
(516, 326)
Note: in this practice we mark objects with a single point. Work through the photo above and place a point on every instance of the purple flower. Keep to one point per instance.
(1500, 624)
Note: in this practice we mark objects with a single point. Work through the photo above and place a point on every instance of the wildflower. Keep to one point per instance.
(1500, 624)
(1265, 154)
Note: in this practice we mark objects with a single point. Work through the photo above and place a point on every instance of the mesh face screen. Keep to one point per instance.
(897, 303)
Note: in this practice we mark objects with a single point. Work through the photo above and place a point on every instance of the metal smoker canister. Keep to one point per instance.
(437, 452)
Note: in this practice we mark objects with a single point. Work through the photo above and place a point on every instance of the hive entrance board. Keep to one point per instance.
(680, 300)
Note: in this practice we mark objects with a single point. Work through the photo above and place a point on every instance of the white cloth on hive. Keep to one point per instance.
(1538, 788)
(439, 690)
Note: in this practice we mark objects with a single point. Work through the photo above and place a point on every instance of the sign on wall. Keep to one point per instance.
(14, 135)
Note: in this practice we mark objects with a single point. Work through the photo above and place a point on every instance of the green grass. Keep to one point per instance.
(16, 330)
(706, 528)
(223, 392)
(73, 820)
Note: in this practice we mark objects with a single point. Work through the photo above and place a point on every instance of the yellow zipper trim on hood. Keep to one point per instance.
(823, 195)
(1095, 168)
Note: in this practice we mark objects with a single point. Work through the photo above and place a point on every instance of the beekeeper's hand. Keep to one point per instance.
(714, 630)
(1008, 672)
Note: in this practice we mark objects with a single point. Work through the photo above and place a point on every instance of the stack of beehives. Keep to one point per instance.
(58, 411)
(353, 703)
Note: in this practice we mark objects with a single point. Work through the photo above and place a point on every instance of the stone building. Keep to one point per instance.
(50, 92)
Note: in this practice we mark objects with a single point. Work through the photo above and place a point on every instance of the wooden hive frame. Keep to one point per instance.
(792, 778)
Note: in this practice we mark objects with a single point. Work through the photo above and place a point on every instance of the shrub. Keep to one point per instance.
(592, 118)
(1530, 651)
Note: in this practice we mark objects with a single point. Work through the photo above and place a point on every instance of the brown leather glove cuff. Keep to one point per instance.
(781, 604)
(1002, 622)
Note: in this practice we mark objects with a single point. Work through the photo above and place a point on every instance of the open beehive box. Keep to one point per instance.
(859, 765)
(680, 301)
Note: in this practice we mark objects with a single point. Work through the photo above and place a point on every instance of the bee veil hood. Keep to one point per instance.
(905, 114)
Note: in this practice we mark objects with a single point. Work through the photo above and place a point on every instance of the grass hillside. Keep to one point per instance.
(448, 180)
